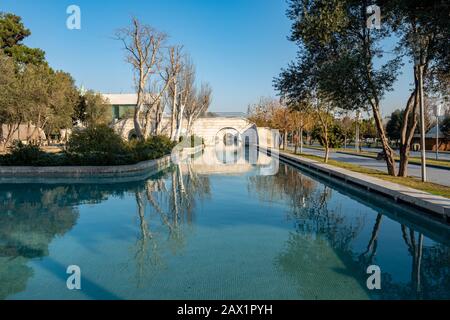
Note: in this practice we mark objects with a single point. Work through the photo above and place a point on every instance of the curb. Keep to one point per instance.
(86, 171)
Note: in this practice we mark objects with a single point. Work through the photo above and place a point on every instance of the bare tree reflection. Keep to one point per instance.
(415, 248)
(170, 201)
(287, 185)
(367, 257)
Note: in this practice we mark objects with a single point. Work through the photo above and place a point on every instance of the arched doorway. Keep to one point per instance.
(228, 137)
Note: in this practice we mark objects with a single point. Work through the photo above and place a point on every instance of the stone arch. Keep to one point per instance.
(228, 136)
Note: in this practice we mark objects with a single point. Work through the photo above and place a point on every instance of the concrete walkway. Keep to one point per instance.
(439, 176)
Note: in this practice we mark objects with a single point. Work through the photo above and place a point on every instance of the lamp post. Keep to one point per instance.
(357, 131)
(438, 113)
(419, 68)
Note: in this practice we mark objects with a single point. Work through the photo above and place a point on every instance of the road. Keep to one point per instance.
(442, 156)
(439, 176)
(445, 156)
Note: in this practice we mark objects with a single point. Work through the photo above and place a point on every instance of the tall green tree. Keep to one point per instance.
(423, 28)
(394, 125)
(10, 113)
(47, 98)
(336, 57)
(92, 109)
(12, 34)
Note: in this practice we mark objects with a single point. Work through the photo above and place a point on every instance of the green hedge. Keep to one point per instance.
(95, 146)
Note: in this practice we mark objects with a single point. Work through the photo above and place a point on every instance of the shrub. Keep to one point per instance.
(96, 146)
(23, 155)
(96, 139)
(152, 148)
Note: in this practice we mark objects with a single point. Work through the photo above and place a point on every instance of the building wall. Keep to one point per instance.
(210, 129)
(430, 144)
(22, 133)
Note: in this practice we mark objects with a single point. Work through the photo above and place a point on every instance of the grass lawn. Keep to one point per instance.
(411, 182)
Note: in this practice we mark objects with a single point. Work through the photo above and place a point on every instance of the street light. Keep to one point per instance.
(358, 113)
(419, 66)
(438, 113)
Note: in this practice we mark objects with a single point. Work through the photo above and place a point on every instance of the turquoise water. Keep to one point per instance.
(222, 230)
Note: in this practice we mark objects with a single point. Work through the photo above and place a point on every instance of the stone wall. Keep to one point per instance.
(145, 167)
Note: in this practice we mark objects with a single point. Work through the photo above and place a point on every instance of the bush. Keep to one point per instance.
(96, 146)
(152, 148)
(24, 155)
(96, 139)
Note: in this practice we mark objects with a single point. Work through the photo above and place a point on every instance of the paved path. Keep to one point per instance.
(440, 176)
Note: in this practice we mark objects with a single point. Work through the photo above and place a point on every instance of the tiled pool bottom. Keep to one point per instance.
(192, 233)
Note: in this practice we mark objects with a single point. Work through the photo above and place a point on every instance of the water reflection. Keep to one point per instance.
(171, 202)
(321, 225)
(30, 217)
(328, 234)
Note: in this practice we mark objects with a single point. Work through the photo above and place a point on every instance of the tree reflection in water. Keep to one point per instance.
(430, 270)
(30, 217)
(171, 201)
(320, 249)
(319, 227)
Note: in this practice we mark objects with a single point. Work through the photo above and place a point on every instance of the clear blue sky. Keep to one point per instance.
(238, 46)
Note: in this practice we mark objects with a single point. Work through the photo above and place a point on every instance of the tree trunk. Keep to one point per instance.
(388, 152)
(301, 140)
(296, 143)
(139, 107)
(174, 111)
(189, 125)
(158, 118)
(327, 148)
(147, 124)
(408, 129)
(179, 123)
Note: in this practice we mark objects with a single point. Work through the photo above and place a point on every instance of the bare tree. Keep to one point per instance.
(198, 105)
(187, 93)
(154, 105)
(172, 72)
(143, 45)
